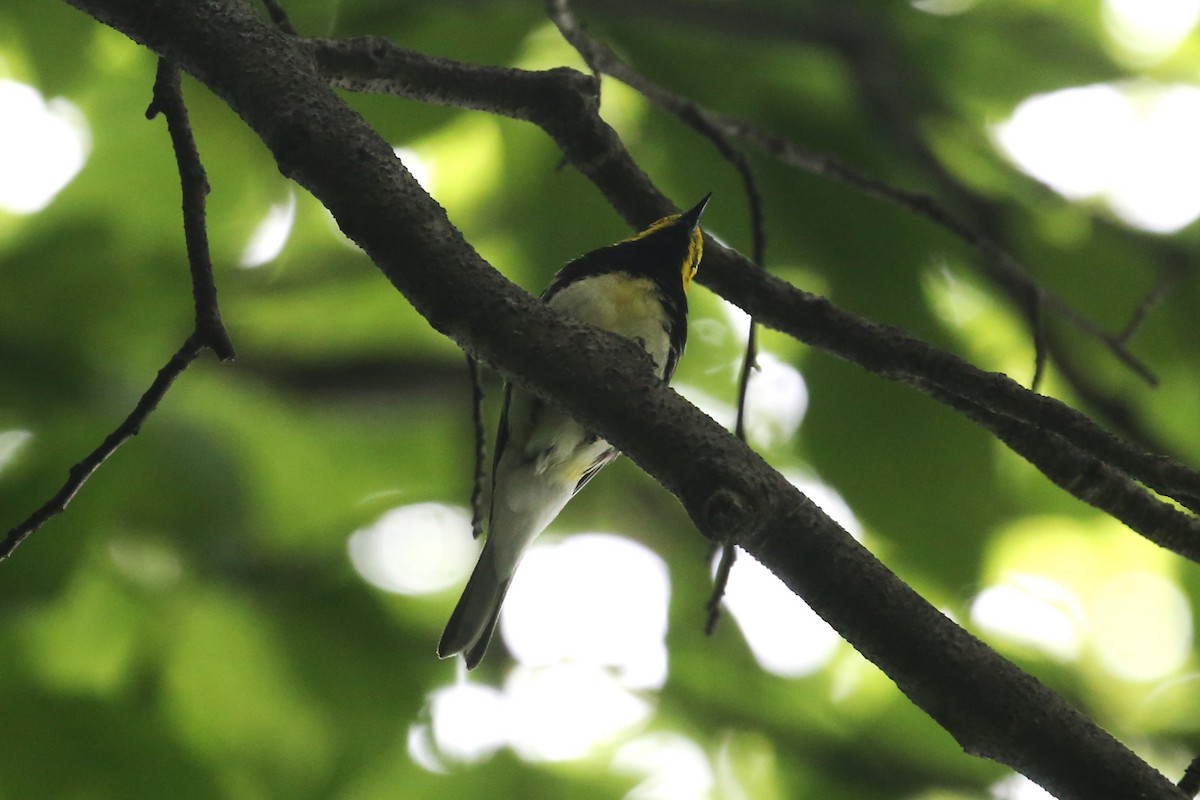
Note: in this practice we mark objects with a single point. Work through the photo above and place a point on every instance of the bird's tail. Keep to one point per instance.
(474, 619)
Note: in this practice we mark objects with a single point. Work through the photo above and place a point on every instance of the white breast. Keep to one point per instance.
(623, 304)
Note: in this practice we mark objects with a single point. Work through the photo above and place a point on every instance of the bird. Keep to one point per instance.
(636, 288)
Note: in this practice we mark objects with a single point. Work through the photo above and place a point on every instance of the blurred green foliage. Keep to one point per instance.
(193, 627)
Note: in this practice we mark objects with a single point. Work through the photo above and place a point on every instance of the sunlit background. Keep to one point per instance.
(581, 674)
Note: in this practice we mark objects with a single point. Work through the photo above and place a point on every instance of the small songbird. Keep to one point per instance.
(636, 288)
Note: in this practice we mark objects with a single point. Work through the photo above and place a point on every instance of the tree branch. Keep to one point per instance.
(1093, 481)
(990, 706)
(168, 99)
(563, 103)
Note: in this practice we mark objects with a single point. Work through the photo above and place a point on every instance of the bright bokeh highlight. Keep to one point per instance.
(786, 637)
(416, 549)
(564, 711)
(417, 166)
(1087, 592)
(586, 621)
(469, 721)
(1143, 627)
(1069, 139)
(776, 400)
(1018, 787)
(1034, 611)
(1131, 146)
(593, 599)
(559, 712)
(1158, 184)
(737, 320)
(1150, 29)
(43, 145)
(673, 767)
(268, 239)
(776, 396)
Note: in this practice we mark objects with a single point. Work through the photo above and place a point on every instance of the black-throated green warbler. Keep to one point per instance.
(636, 288)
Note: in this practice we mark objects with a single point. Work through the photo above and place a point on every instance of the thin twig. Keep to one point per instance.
(279, 16)
(83, 470)
(209, 332)
(168, 99)
(1037, 322)
(691, 116)
(749, 364)
(1155, 296)
(1121, 416)
(479, 483)
(720, 582)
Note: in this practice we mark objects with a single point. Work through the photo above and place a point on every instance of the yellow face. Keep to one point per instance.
(692, 262)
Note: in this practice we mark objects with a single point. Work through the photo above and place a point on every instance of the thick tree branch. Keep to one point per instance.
(1189, 784)
(992, 708)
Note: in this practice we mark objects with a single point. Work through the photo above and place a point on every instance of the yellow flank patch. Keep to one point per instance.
(572, 471)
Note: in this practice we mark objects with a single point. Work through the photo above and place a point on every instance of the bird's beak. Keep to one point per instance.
(692, 218)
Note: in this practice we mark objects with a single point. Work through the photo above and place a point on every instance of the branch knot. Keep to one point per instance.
(726, 515)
